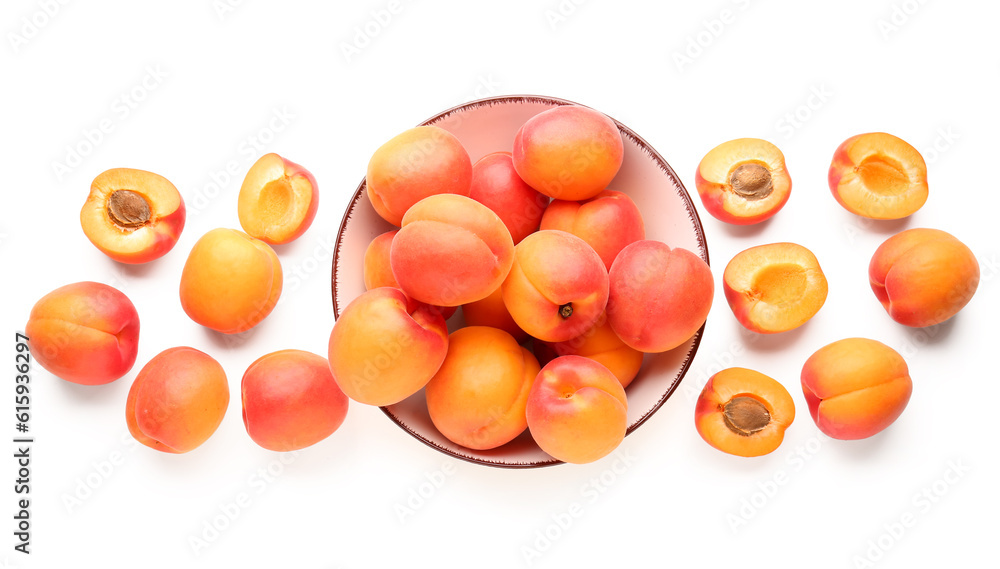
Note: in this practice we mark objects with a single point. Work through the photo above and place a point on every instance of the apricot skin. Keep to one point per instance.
(386, 346)
(608, 222)
(659, 297)
(477, 398)
(496, 185)
(377, 270)
(413, 165)
(230, 281)
(177, 400)
(491, 311)
(569, 152)
(291, 401)
(923, 277)
(86, 333)
(555, 271)
(730, 384)
(855, 387)
(451, 250)
(577, 411)
(600, 344)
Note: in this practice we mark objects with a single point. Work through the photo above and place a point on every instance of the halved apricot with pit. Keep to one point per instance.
(743, 181)
(132, 216)
(744, 412)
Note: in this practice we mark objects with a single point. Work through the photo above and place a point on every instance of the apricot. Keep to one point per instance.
(568, 152)
(377, 270)
(386, 346)
(291, 401)
(86, 333)
(477, 398)
(577, 411)
(775, 287)
(491, 311)
(607, 222)
(177, 400)
(413, 165)
(923, 276)
(855, 387)
(743, 181)
(278, 200)
(600, 344)
(878, 175)
(451, 250)
(230, 282)
(743, 412)
(133, 216)
(659, 297)
(557, 287)
(496, 185)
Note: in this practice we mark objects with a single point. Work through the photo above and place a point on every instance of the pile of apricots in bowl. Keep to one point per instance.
(556, 291)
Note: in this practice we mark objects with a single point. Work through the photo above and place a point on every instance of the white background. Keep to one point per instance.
(804, 75)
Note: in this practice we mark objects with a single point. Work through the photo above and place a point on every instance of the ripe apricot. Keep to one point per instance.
(413, 165)
(923, 276)
(855, 387)
(230, 282)
(577, 411)
(477, 398)
(291, 401)
(177, 400)
(608, 222)
(86, 333)
(569, 152)
(496, 185)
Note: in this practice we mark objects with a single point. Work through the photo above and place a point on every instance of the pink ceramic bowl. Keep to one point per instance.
(489, 125)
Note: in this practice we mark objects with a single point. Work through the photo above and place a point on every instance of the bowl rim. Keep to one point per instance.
(653, 155)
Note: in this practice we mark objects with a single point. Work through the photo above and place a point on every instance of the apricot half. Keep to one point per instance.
(923, 276)
(413, 165)
(133, 216)
(569, 152)
(855, 387)
(878, 175)
(477, 398)
(86, 333)
(278, 200)
(775, 287)
(743, 181)
(743, 412)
